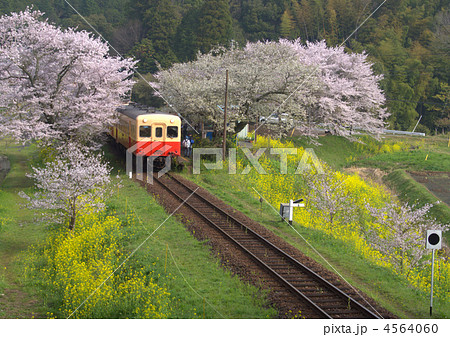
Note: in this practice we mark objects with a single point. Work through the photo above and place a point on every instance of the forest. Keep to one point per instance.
(407, 40)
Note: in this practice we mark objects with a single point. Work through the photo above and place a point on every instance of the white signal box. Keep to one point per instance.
(287, 209)
(434, 239)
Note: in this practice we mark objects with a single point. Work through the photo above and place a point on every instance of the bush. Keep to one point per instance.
(216, 142)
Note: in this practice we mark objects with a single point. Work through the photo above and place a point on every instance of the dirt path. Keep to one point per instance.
(14, 301)
(368, 174)
(4, 167)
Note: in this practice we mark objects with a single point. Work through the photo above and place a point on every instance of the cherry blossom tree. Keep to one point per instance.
(311, 84)
(262, 76)
(349, 96)
(74, 180)
(329, 197)
(56, 84)
(399, 233)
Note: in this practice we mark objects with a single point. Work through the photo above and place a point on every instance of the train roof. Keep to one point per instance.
(134, 111)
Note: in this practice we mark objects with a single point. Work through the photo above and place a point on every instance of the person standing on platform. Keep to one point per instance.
(186, 144)
(191, 144)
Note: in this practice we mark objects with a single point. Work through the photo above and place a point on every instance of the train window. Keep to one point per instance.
(158, 132)
(172, 131)
(145, 131)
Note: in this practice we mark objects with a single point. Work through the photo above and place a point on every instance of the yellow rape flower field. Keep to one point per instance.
(277, 188)
(351, 194)
(80, 266)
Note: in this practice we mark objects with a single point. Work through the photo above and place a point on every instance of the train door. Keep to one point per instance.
(159, 137)
(159, 132)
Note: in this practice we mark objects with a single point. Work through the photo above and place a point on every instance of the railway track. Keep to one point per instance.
(317, 297)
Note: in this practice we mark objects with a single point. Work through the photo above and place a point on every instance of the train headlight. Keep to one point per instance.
(172, 121)
(145, 120)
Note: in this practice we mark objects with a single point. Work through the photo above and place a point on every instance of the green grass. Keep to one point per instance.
(413, 192)
(411, 160)
(3, 283)
(333, 150)
(424, 154)
(20, 231)
(387, 289)
(339, 152)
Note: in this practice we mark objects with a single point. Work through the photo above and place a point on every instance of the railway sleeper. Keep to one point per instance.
(295, 276)
(292, 275)
(346, 311)
(267, 257)
(243, 237)
(269, 253)
(253, 244)
(285, 266)
(300, 285)
(301, 280)
(333, 306)
(215, 216)
(260, 247)
(327, 300)
(313, 295)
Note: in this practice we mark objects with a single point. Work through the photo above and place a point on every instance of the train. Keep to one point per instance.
(147, 133)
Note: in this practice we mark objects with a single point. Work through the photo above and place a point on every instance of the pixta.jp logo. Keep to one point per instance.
(307, 160)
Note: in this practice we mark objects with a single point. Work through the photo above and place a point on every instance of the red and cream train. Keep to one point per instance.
(148, 134)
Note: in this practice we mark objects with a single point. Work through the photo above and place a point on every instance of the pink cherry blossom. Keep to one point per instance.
(67, 185)
(56, 84)
(311, 85)
(399, 233)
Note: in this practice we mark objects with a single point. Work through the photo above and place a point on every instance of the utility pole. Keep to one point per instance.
(224, 146)
(417, 123)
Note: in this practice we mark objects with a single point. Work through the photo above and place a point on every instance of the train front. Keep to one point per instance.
(158, 135)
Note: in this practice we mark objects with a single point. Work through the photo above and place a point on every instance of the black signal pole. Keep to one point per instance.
(224, 146)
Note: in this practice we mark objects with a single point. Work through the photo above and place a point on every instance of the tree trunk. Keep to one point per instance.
(72, 223)
(73, 216)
